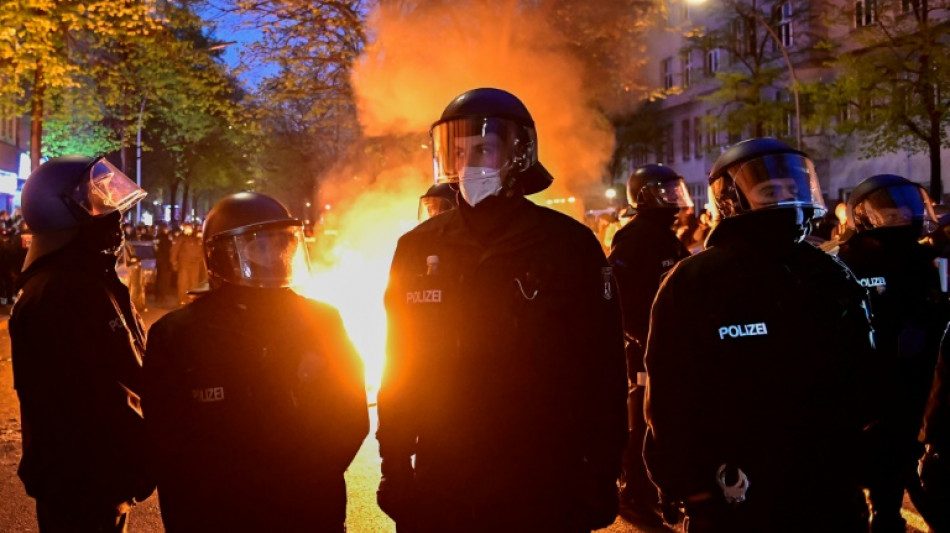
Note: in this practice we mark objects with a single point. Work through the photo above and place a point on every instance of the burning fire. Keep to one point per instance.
(350, 268)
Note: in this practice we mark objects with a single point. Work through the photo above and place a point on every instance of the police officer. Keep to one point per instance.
(77, 345)
(186, 259)
(254, 395)
(505, 373)
(755, 395)
(643, 252)
(438, 198)
(909, 312)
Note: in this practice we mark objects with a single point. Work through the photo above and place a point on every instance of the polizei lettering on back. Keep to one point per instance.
(427, 296)
(743, 330)
(872, 282)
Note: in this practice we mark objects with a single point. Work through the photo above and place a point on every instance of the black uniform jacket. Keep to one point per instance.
(909, 314)
(936, 427)
(505, 369)
(642, 253)
(256, 405)
(756, 357)
(77, 361)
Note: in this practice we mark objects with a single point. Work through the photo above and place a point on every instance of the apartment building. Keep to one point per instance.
(689, 123)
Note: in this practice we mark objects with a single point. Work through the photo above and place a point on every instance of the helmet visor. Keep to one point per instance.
(430, 206)
(267, 257)
(779, 180)
(900, 205)
(673, 193)
(107, 190)
(500, 144)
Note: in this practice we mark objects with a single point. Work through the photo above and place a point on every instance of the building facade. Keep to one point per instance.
(723, 72)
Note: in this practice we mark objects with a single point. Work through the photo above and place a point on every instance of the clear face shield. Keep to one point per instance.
(106, 190)
(672, 193)
(775, 180)
(267, 256)
(899, 205)
(473, 147)
(430, 206)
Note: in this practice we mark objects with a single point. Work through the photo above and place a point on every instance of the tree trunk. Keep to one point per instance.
(173, 201)
(36, 117)
(185, 194)
(936, 180)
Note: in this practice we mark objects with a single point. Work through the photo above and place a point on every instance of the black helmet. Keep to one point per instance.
(887, 200)
(657, 187)
(438, 199)
(66, 193)
(251, 239)
(471, 118)
(765, 173)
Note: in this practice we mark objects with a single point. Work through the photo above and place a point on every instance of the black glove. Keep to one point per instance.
(396, 493)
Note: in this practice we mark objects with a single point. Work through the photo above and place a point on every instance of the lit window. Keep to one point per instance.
(711, 65)
(686, 136)
(785, 25)
(865, 13)
(666, 72)
(697, 137)
(687, 68)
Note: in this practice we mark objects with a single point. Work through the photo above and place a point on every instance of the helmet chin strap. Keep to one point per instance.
(509, 182)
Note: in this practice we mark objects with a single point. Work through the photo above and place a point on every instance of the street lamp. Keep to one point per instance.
(138, 134)
(788, 61)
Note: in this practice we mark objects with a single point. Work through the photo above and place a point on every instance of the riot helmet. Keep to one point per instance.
(72, 196)
(891, 201)
(657, 187)
(252, 240)
(438, 199)
(486, 141)
(763, 175)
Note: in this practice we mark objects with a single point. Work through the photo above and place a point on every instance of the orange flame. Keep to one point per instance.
(351, 269)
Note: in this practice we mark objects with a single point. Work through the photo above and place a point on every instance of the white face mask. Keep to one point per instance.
(478, 183)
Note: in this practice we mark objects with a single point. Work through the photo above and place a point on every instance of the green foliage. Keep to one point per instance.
(892, 90)
(752, 93)
(65, 137)
(304, 111)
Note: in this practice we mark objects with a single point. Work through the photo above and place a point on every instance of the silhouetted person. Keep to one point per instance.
(254, 395)
(77, 346)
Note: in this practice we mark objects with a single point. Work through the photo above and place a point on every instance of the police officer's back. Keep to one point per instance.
(254, 395)
(888, 215)
(77, 348)
(505, 374)
(643, 251)
(761, 399)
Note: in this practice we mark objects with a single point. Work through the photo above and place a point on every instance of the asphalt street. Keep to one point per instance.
(363, 516)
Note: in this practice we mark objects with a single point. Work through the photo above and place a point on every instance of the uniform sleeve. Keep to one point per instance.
(164, 400)
(397, 429)
(604, 408)
(637, 270)
(673, 451)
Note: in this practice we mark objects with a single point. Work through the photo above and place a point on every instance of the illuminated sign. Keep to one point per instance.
(7, 182)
